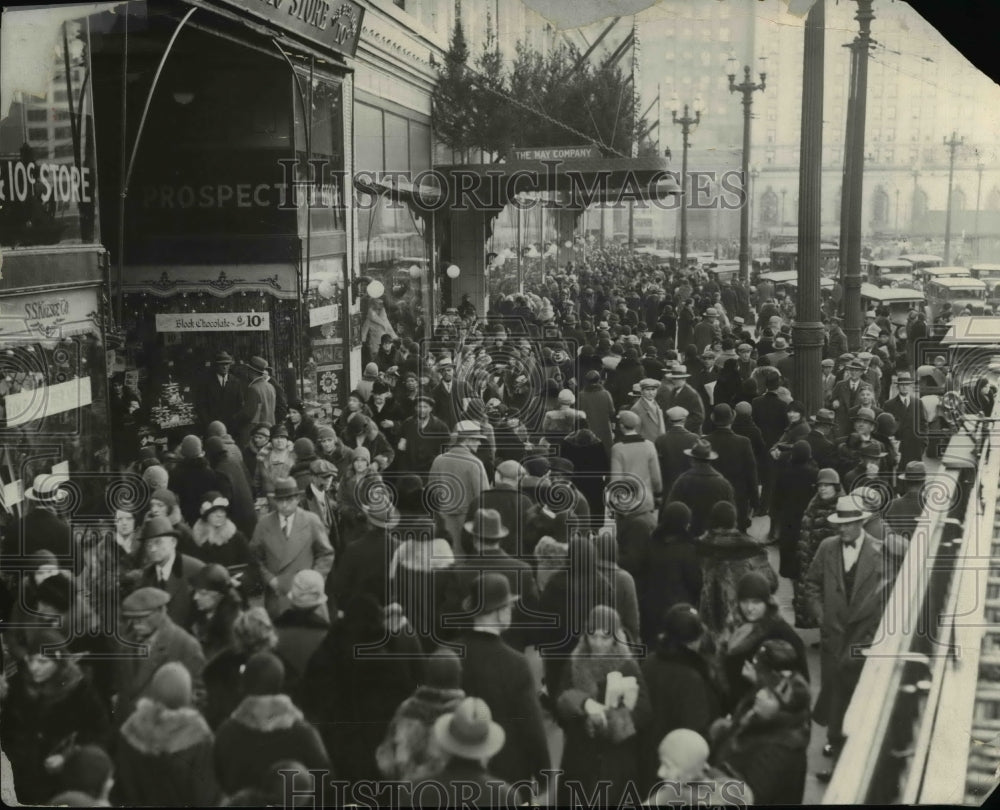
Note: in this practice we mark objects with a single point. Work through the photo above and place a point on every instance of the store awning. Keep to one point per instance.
(278, 280)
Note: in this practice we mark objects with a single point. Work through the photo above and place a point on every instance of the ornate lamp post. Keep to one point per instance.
(952, 143)
(754, 174)
(686, 123)
(980, 166)
(746, 88)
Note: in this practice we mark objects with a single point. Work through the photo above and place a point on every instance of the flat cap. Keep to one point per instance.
(144, 601)
(628, 419)
(677, 413)
(322, 467)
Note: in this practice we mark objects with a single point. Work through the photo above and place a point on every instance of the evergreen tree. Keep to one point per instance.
(452, 95)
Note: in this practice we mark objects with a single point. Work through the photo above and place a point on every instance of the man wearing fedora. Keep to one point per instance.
(500, 675)
(510, 503)
(169, 570)
(910, 420)
(469, 738)
(824, 451)
(220, 395)
(44, 527)
(459, 478)
(285, 542)
(904, 511)
(487, 532)
(150, 640)
(701, 487)
(447, 393)
(706, 331)
(364, 566)
(674, 390)
(845, 592)
(846, 395)
(735, 462)
(261, 398)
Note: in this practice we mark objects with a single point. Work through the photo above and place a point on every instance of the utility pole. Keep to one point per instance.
(979, 190)
(807, 333)
(686, 123)
(746, 88)
(854, 170)
(952, 143)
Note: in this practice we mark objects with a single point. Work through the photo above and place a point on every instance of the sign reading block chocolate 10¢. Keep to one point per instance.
(215, 322)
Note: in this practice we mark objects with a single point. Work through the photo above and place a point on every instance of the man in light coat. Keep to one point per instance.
(287, 541)
(457, 478)
(845, 591)
(674, 390)
(652, 423)
(635, 486)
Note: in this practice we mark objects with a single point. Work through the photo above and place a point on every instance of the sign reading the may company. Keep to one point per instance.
(332, 24)
(555, 153)
(215, 322)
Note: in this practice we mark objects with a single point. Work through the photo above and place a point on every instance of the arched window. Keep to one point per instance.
(769, 208)
(919, 204)
(957, 200)
(880, 207)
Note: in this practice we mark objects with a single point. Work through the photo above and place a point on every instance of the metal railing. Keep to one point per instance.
(916, 672)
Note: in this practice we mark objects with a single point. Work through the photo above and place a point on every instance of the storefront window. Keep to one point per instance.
(48, 180)
(53, 401)
(393, 247)
(320, 171)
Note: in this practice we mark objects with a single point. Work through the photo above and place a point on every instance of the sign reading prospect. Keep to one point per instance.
(214, 322)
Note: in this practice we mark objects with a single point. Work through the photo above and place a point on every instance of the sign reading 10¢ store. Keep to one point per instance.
(214, 322)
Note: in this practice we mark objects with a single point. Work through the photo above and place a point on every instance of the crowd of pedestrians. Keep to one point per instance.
(573, 477)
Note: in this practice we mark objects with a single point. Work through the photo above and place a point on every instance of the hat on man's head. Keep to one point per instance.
(223, 359)
(864, 415)
(323, 468)
(824, 416)
(701, 450)
(486, 524)
(143, 601)
(914, 471)
(308, 589)
(286, 488)
(848, 511)
(47, 488)
(488, 592)
(467, 429)
(904, 377)
(780, 343)
(649, 382)
(469, 732)
(872, 451)
(157, 527)
(722, 414)
(628, 419)
(258, 364)
(677, 413)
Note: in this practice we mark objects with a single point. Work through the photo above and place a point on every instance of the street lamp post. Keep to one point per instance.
(747, 89)
(952, 143)
(686, 123)
(754, 174)
(897, 212)
(979, 190)
(784, 191)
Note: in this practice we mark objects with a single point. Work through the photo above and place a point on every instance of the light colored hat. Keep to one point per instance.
(677, 413)
(848, 511)
(469, 732)
(467, 429)
(308, 589)
(649, 382)
(46, 488)
(566, 397)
